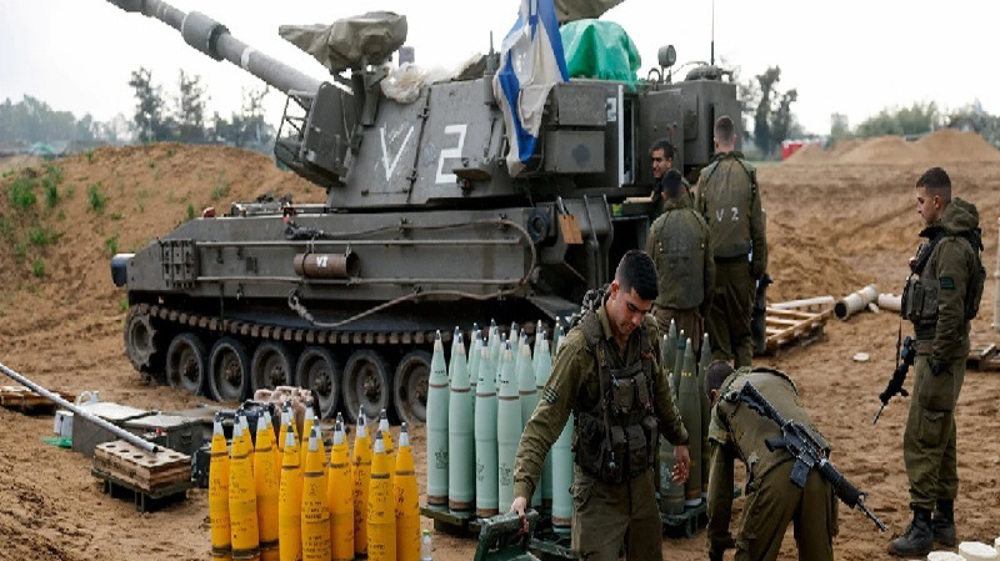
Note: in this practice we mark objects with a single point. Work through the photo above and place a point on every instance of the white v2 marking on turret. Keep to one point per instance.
(447, 153)
(389, 168)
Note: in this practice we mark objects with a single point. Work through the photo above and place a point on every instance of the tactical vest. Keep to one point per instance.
(679, 256)
(749, 431)
(614, 440)
(919, 302)
(728, 205)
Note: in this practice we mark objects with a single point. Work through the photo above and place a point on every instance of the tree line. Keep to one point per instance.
(158, 116)
(769, 112)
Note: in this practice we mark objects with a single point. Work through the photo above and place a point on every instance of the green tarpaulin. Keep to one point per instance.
(599, 49)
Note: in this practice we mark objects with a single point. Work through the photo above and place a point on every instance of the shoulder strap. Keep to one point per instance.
(751, 173)
(925, 253)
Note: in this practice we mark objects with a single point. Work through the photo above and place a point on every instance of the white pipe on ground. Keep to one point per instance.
(855, 302)
(891, 302)
(818, 301)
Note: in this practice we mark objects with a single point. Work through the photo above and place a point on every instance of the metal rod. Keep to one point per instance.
(303, 280)
(117, 431)
(312, 243)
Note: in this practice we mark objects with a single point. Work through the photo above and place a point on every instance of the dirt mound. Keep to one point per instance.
(116, 200)
(809, 154)
(881, 150)
(950, 145)
(942, 147)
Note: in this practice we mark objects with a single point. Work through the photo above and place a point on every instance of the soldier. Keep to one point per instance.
(662, 155)
(773, 500)
(678, 243)
(608, 374)
(940, 298)
(728, 198)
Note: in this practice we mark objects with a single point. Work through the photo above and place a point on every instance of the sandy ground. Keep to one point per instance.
(835, 224)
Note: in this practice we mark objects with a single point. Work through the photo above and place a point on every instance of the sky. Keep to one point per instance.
(852, 57)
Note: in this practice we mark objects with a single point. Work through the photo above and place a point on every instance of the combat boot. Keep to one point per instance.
(943, 523)
(918, 539)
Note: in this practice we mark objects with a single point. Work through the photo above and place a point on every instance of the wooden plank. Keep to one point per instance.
(784, 327)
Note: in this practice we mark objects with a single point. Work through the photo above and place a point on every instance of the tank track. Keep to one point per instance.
(163, 325)
(309, 336)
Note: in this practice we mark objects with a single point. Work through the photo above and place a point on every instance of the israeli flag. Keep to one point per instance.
(531, 62)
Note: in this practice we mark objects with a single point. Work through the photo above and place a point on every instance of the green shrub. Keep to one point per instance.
(90, 156)
(51, 192)
(54, 172)
(41, 236)
(190, 215)
(38, 268)
(95, 198)
(21, 193)
(112, 244)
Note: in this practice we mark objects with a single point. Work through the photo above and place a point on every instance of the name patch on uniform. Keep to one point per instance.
(947, 283)
(550, 396)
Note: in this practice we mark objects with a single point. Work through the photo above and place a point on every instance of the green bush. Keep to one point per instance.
(95, 198)
(53, 172)
(51, 192)
(21, 193)
(112, 244)
(190, 215)
(41, 236)
(38, 268)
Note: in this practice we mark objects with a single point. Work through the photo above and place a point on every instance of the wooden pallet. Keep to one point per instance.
(984, 353)
(145, 501)
(146, 472)
(785, 327)
(20, 398)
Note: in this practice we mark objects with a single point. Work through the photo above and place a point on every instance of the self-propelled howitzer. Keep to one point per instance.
(423, 228)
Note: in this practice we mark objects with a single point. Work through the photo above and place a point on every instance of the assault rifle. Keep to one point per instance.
(807, 451)
(895, 386)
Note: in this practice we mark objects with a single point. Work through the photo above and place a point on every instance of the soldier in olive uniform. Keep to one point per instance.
(679, 245)
(773, 500)
(608, 374)
(729, 200)
(662, 155)
(941, 296)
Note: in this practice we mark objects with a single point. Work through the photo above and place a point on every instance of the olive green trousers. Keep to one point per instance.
(728, 319)
(607, 516)
(929, 439)
(774, 503)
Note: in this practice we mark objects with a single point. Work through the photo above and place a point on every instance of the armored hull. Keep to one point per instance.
(423, 228)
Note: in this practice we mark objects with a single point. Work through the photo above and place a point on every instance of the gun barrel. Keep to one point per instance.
(864, 508)
(212, 38)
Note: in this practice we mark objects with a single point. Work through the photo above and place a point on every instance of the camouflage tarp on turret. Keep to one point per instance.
(571, 10)
(373, 36)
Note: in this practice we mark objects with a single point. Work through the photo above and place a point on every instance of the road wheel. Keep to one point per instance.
(410, 387)
(318, 370)
(272, 365)
(141, 337)
(366, 385)
(185, 364)
(228, 370)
